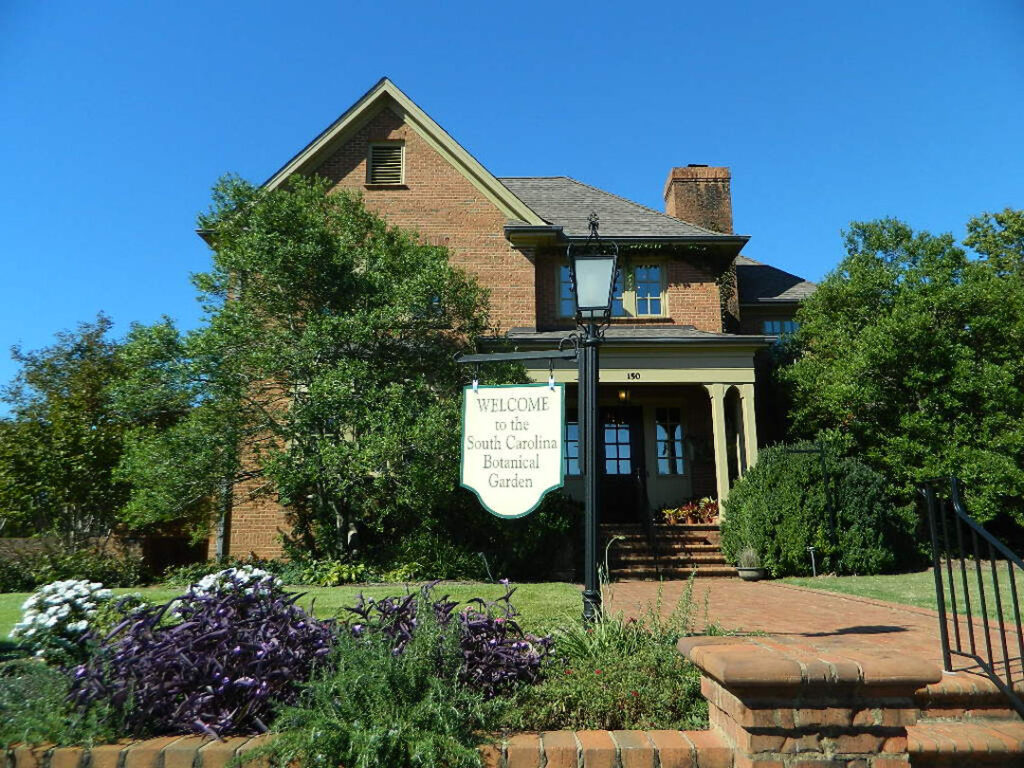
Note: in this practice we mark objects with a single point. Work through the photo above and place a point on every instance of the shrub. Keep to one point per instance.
(539, 545)
(616, 674)
(23, 572)
(214, 661)
(111, 613)
(247, 579)
(496, 653)
(430, 555)
(56, 619)
(34, 709)
(329, 572)
(15, 577)
(778, 509)
(372, 707)
(187, 575)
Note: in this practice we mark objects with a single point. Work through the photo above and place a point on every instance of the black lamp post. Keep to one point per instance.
(592, 268)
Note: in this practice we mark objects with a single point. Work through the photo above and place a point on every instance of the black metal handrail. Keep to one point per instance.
(983, 546)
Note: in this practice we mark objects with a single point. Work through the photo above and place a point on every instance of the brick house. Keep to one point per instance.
(679, 367)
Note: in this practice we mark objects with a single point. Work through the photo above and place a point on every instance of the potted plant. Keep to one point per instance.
(748, 565)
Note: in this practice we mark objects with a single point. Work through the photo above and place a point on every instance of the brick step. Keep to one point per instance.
(653, 564)
(651, 574)
(660, 529)
(662, 546)
(665, 540)
(965, 695)
(966, 743)
(665, 557)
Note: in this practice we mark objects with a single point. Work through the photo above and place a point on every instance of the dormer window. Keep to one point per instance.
(386, 164)
(639, 292)
(778, 327)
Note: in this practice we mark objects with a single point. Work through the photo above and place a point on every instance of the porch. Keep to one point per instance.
(677, 423)
(677, 416)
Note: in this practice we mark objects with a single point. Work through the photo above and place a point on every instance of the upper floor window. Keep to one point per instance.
(778, 327)
(386, 164)
(639, 292)
(648, 288)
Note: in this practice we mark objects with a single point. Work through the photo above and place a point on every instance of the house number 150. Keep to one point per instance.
(633, 376)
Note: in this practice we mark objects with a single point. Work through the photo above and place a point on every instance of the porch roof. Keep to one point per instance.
(646, 335)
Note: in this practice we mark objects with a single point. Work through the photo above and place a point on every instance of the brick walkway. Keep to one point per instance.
(826, 621)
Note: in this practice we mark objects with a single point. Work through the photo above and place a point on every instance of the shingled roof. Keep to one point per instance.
(762, 283)
(567, 203)
(670, 334)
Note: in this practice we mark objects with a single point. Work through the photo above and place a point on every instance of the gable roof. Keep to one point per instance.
(764, 284)
(567, 203)
(385, 94)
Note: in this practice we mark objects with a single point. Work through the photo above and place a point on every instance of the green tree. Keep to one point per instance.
(324, 373)
(912, 351)
(181, 452)
(63, 438)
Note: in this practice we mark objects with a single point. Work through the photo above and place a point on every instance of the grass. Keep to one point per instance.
(542, 606)
(919, 588)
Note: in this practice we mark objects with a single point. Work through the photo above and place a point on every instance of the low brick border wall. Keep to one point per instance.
(552, 749)
(771, 705)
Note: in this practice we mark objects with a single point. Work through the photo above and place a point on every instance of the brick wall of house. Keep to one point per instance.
(446, 209)
(691, 295)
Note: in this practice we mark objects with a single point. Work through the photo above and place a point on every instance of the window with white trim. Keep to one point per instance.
(668, 435)
(385, 163)
(639, 291)
(618, 446)
(572, 447)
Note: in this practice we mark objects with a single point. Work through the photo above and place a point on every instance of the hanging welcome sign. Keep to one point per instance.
(512, 445)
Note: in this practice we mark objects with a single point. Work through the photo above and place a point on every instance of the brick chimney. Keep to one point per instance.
(700, 194)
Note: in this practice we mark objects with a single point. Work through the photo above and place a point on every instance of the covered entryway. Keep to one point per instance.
(678, 415)
(677, 425)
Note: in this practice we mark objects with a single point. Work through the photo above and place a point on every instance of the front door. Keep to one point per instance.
(623, 475)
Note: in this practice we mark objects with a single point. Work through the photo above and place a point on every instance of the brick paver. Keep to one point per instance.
(827, 622)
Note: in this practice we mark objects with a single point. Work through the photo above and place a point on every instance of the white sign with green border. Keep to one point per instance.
(512, 445)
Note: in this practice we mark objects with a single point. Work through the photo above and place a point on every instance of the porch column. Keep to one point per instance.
(749, 422)
(717, 394)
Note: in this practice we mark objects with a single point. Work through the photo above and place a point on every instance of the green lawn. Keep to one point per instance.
(919, 588)
(541, 606)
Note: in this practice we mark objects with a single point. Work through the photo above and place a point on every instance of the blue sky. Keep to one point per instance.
(117, 117)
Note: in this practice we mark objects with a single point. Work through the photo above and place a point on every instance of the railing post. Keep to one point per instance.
(940, 597)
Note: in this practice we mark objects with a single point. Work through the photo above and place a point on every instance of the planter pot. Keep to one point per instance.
(752, 574)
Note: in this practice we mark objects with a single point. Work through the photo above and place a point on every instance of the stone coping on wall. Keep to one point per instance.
(551, 749)
(779, 704)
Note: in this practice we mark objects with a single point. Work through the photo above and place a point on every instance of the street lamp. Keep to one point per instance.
(592, 269)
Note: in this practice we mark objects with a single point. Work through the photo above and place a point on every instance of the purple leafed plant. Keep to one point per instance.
(496, 653)
(395, 617)
(212, 663)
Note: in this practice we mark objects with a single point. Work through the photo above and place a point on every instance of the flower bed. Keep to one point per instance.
(408, 679)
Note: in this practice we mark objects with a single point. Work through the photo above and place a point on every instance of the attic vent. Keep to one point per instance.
(385, 164)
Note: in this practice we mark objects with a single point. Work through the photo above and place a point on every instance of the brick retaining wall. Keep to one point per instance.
(771, 705)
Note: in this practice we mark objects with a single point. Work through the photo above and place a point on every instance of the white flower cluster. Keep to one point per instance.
(56, 616)
(247, 579)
